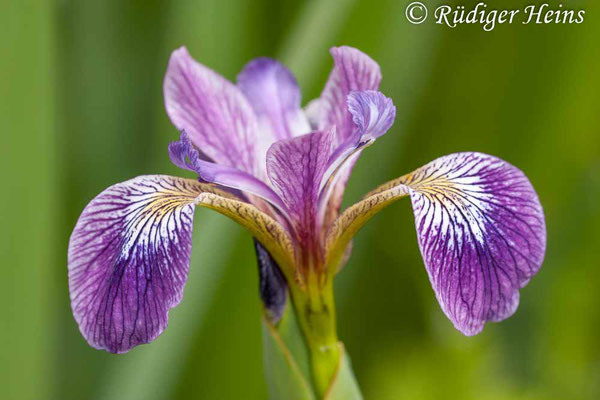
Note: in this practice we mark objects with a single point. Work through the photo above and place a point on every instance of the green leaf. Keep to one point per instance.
(287, 364)
(344, 387)
(285, 359)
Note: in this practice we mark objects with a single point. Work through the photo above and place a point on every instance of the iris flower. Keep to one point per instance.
(280, 171)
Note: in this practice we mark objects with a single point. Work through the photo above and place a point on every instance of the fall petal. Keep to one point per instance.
(129, 255)
(482, 235)
(481, 231)
(129, 258)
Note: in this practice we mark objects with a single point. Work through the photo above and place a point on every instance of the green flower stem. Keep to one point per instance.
(315, 309)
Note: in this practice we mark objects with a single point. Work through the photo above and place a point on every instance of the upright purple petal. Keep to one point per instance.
(184, 155)
(312, 111)
(213, 111)
(373, 114)
(482, 235)
(275, 97)
(296, 168)
(352, 71)
(129, 258)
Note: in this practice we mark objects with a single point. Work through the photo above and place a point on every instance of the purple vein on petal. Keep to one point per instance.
(373, 114)
(353, 70)
(296, 168)
(213, 111)
(129, 258)
(275, 97)
(482, 235)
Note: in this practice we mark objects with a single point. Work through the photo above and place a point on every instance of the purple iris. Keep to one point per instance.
(280, 171)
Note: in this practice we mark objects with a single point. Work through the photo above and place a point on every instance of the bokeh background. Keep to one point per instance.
(81, 109)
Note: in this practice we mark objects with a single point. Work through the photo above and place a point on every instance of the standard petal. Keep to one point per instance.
(128, 260)
(275, 97)
(129, 255)
(353, 70)
(373, 114)
(296, 168)
(312, 111)
(481, 231)
(213, 111)
(184, 155)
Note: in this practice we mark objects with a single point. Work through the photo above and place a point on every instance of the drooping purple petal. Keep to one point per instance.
(296, 168)
(129, 258)
(352, 71)
(275, 97)
(184, 155)
(480, 227)
(482, 235)
(213, 111)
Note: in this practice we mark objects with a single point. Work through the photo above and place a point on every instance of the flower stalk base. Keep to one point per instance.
(315, 308)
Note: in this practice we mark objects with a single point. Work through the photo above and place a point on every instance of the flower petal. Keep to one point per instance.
(129, 255)
(296, 168)
(213, 111)
(275, 97)
(352, 71)
(312, 111)
(184, 155)
(347, 225)
(129, 258)
(373, 114)
(481, 231)
(271, 235)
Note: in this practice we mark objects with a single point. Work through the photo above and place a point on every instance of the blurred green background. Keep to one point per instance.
(81, 109)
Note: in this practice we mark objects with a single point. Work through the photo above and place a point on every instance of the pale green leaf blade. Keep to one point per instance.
(286, 360)
(345, 386)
